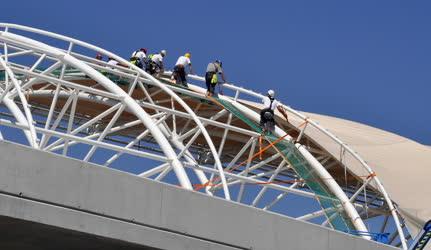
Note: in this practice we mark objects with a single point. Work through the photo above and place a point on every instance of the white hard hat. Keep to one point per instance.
(163, 52)
(271, 93)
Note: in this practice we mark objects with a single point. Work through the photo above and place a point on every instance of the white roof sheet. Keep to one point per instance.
(403, 165)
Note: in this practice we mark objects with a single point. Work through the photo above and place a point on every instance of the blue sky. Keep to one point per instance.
(367, 61)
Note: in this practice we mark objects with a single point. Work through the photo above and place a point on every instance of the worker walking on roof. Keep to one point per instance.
(267, 121)
(138, 57)
(211, 76)
(179, 73)
(156, 65)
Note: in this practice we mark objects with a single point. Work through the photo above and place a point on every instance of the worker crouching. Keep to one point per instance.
(179, 73)
(138, 57)
(156, 66)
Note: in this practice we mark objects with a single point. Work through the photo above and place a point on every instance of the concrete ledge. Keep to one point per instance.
(16, 234)
(48, 188)
(96, 225)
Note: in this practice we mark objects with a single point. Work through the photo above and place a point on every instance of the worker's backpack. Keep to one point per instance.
(147, 64)
(135, 60)
(134, 57)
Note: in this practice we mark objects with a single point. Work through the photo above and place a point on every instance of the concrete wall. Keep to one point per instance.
(53, 190)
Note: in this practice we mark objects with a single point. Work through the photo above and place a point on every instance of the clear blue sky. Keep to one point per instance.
(367, 61)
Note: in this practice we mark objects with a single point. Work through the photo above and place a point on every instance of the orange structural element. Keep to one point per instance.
(214, 181)
(260, 147)
(200, 186)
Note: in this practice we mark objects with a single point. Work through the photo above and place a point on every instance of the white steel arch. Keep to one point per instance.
(168, 139)
(113, 88)
(154, 81)
(343, 146)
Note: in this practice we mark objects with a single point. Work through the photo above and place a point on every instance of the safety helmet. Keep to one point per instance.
(143, 50)
(163, 52)
(218, 62)
(188, 55)
(271, 93)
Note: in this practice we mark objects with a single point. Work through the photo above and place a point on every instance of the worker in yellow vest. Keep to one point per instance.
(138, 57)
(211, 76)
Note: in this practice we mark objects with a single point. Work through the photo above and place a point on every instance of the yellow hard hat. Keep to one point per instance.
(188, 55)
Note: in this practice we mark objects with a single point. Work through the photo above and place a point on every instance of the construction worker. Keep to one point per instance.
(211, 78)
(138, 57)
(179, 70)
(156, 65)
(99, 56)
(267, 121)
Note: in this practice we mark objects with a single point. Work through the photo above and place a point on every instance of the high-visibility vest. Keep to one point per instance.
(214, 79)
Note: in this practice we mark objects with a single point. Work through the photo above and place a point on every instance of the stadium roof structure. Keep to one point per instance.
(56, 97)
(402, 164)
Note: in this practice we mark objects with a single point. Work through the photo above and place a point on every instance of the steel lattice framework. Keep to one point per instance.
(55, 97)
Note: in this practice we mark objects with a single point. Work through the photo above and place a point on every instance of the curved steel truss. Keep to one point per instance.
(55, 97)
